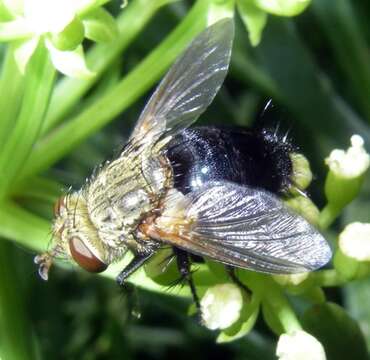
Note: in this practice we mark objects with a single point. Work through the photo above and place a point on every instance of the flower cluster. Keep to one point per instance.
(60, 25)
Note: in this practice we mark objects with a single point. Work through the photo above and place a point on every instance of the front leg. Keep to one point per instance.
(133, 265)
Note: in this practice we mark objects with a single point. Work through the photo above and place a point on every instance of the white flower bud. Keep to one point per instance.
(221, 306)
(351, 163)
(354, 241)
(299, 345)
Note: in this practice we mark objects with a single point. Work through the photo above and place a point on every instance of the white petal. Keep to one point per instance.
(354, 241)
(283, 7)
(49, 15)
(221, 306)
(351, 163)
(24, 51)
(70, 63)
(299, 345)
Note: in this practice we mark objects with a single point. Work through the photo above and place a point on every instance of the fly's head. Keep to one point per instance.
(74, 237)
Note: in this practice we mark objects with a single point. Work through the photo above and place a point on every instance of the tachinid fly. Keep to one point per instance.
(206, 191)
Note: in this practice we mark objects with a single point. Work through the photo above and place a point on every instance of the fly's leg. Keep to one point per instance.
(183, 264)
(132, 266)
(231, 271)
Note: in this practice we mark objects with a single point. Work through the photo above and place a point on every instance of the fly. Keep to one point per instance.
(206, 191)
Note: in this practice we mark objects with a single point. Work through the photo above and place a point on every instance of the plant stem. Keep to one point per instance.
(69, 91)
(331, 278)
(282, 308)
(327, 216)
(17, 338)
(39, 79)
(53, 147)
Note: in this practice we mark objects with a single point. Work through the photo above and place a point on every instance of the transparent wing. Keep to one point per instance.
(251, 229)
(190, 85)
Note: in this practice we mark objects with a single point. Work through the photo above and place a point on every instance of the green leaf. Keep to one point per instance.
(349, 45)
(283, 7)
(100, 26)
(356, 295)
(253, 18)
(336, 330)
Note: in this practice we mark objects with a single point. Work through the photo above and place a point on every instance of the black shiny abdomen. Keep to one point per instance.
(248, 157)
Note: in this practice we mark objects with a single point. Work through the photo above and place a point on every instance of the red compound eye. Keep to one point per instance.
(59, 205)
(84, 257)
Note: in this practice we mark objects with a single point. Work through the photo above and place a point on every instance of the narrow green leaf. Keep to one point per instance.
(17, 340)
(11, 84)
(350, 48)
(39, 79)
(283, 56)
(40, 188)
(22, 226)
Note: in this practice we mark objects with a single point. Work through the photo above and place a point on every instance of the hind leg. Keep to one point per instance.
(183, 264)
(231, 271)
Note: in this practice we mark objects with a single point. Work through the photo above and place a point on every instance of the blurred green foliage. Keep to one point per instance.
(316, 69)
